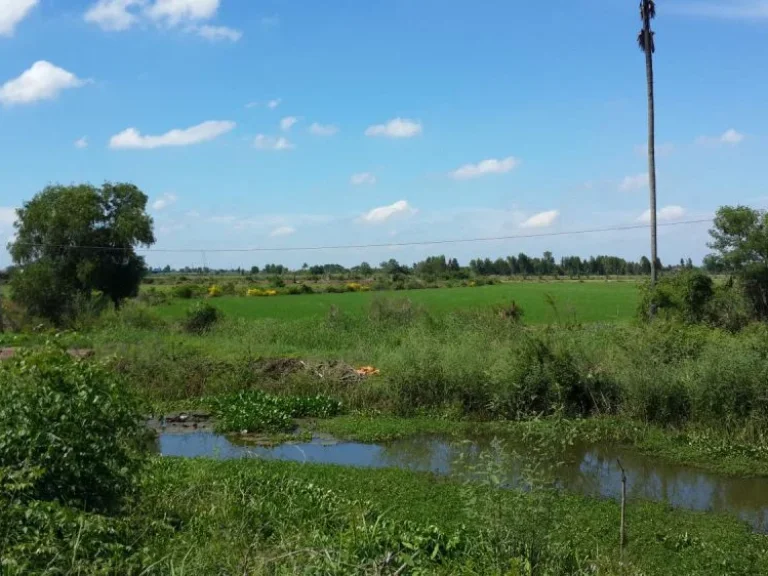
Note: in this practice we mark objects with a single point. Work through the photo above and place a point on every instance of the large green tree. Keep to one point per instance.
(74, 240)
(740, 240)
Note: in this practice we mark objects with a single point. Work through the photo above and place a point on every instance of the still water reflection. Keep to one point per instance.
(590, 470)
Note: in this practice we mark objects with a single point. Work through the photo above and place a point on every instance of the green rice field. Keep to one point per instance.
(573, 301)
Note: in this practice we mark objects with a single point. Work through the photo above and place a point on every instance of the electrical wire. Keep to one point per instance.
(382, 245)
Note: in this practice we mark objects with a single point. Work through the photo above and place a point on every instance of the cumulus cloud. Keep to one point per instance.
(666, 214)
(118, 15)
(730, 137)
(636, 182)
(113, 15)
(132, 138)
(323, 129)
(752, 10)
(396, 128)
(362, 178)
(12, 12)
(172, 12)
(217, 33)
(541, 220)
(490, 166)
(164, 201)
(287, 123)
(282, 231)
(384, 213)
(81, 142)
(42, 81)
(274, 103)
(265, 142)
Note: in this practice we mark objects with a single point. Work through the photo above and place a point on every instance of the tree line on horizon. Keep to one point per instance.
(446, 268)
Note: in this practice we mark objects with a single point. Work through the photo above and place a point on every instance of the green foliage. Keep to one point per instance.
(185, 291)
(740, 238)
(256, 411)
(201, 318)
(685, 296)
(75, 423)
(50, 277)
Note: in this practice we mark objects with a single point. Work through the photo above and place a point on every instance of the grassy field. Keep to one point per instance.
(582, 302)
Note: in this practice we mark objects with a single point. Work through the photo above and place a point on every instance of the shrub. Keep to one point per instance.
(228, 289)
(185, 291)
(201, 318)
(141, 316)
(75, 423)
(685, 296)
(153, 297)
(214, 291)
(398, 311)
(296, 289)
(277, 282)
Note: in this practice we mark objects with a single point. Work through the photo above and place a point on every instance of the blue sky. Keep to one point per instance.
(287, 123)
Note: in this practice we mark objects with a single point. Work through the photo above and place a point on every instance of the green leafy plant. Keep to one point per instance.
(257, 411)
(201, 318)
(73, 421)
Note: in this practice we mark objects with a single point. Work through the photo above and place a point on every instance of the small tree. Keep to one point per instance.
(74, 240)
(740, 239)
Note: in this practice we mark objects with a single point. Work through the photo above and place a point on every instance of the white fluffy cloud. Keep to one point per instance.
(490, 166)
(384, 213)
(113, 15)
(164, 201)
(12, 12)
(116, 15)
(282, 231)
(636, 182)
(42, 81)
(172, 12)
(323, 129)
(396, 128)
(287, 123)
(81, 142)
(265, 142)
(217, 33)
(274, 103)
(724, 9)
(362, 178)
(132, 138)
(666, 214)
(730, 137)
(541, 220)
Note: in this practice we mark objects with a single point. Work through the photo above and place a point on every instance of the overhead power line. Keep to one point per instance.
(382, 245)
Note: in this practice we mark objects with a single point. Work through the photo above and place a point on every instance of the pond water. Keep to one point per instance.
(589, 470)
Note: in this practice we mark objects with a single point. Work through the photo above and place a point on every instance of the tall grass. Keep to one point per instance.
(478, 364)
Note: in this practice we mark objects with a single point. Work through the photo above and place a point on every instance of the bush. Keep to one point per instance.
(153, 297)
(399, 311)
(228, 289)
(685, 296)
(201, 318)
(75, 424)
(215, 291)
(277, 282)
(185, 291)
(296, 289)
(137, 315)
